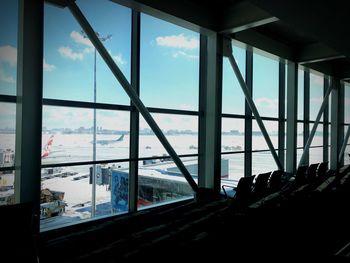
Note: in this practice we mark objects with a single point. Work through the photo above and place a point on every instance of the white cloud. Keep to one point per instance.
(8, 54)
(179, 41)
(183, 54)
(80, 39)
(67, 52)
(119, 59)
(48, 67)
(5, 78)
(266, 103)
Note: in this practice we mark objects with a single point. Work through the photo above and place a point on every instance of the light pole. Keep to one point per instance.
(93, 203)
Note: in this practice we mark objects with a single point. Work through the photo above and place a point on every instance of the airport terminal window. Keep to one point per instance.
(69, 56)
(233, 99)
(8, 78)
(169, 65)
(154, 186)
(316, 95)
(180, 130)
(69, 159)
(232, 168)
(265, 85)
(8, 47)
(300, 94)
(347, 104)
(258, 140)
(316, 148)
(232, 135)
(7, 152)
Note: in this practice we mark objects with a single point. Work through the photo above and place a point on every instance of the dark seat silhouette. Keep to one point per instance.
(243, 190)
(275, 182)
(311, 172)
(322, 170)
(260, 185)
(300, 176)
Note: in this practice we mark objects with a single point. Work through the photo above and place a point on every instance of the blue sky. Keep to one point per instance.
(169, 73)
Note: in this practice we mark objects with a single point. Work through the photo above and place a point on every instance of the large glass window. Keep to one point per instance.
(73, 69)
(78, 131)
(232, 136)
(300, 94)
(265, 85)
(259, 142)
(169, 70)
(316, 95)
(8, 46)
(233, 99)
(8, 79)
(180, 130)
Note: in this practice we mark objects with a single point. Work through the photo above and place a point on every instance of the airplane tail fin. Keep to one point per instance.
(120, 138)
(47, 148)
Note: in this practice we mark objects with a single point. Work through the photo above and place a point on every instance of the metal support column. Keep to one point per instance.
(29, 105)
(252, 106)
(130, 91)
(335, 124)
(134, 115)
(210, 109)
(281, 110)
(306, 123)
(314, 127)
(248, 124)
(292, 113)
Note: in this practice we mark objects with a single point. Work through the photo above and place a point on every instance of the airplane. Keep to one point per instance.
(47, 148)
(46, 152)
(105, 142)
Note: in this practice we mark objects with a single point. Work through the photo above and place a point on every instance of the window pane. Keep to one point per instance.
(112, 138)
(113, 23)
(300, 136)
(8, 46)
(232, 136)
(69, 57)
(169, 73)
(258, 139)
(265, 85)
(7, 151)
(316, 155)
(7, 126)
(67, 134)
(347, 155)
(160, 181)
(233, 100)
(300, 94)
(316, 95)
(235, 168)
(299, 154)
(347, 104)
(62, 204)
(7, 181)
(318, 138)
(180, 130)
(263, 162)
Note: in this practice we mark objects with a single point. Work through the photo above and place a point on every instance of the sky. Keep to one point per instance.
(169, 69)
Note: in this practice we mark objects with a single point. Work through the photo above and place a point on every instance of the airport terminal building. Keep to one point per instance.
(149, 129)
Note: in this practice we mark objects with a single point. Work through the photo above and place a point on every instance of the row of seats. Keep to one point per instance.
(249, 190)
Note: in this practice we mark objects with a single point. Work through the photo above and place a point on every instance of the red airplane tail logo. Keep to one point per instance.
(47, 148)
